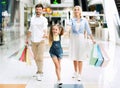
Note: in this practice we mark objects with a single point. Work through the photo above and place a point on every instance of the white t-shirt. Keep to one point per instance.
(38, 26)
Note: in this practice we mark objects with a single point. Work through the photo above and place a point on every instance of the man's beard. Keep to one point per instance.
(38, 13)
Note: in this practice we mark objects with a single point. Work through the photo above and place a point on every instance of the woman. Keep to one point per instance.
(78, 25)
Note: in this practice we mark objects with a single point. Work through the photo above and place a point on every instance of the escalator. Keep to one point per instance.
(117, 2)
(118, 5)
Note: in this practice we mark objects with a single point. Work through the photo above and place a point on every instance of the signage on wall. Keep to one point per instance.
(3, 2)
(61, 3)
(55, 1)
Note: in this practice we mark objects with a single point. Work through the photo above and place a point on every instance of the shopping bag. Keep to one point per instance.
(28, 54)
(20, 53)
(100, 57)
(94, 55)
(23, 56)
(105, 56)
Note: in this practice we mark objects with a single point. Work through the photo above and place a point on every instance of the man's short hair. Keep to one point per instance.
(39, 5)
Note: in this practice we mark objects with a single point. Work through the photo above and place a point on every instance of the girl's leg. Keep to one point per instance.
(75, 65)
(56, 62)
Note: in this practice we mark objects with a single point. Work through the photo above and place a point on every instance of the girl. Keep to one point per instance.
(56, 51)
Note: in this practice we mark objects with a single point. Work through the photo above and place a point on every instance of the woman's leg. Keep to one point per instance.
(80, 64)
(56, 62)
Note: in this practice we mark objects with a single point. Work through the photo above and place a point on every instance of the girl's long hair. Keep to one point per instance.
(51, 34)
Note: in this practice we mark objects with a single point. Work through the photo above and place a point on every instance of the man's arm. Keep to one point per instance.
(28, 34)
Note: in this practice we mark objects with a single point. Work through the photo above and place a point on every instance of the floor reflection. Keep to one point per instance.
(69, 86)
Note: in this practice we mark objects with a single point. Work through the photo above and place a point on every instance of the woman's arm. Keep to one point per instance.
(92, 38)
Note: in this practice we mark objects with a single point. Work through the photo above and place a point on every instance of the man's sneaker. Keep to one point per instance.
(79, 77)
(75, 75)
(35, 75)
(39, 77)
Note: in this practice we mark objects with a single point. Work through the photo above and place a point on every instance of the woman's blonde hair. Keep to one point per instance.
(80, 9)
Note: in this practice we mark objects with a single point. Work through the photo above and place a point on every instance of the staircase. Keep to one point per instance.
(118, 5)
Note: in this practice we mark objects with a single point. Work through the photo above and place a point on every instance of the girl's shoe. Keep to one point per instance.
(59, 82)
(75, 75)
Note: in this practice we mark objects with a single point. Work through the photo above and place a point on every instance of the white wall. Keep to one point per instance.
(109, 14)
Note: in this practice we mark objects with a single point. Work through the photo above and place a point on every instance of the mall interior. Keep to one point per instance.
(104, 21)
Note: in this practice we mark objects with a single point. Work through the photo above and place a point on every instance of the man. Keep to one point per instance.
(38, 32)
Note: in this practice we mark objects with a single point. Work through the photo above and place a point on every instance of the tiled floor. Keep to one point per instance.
(13, 71)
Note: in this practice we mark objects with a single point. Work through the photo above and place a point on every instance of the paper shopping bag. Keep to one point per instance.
(100, 57)
(105, 56)
(28, 54)
(94, 55)
(23, 56)
(19, 54)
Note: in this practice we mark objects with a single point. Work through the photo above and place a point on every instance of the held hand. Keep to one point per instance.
(45, 36)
